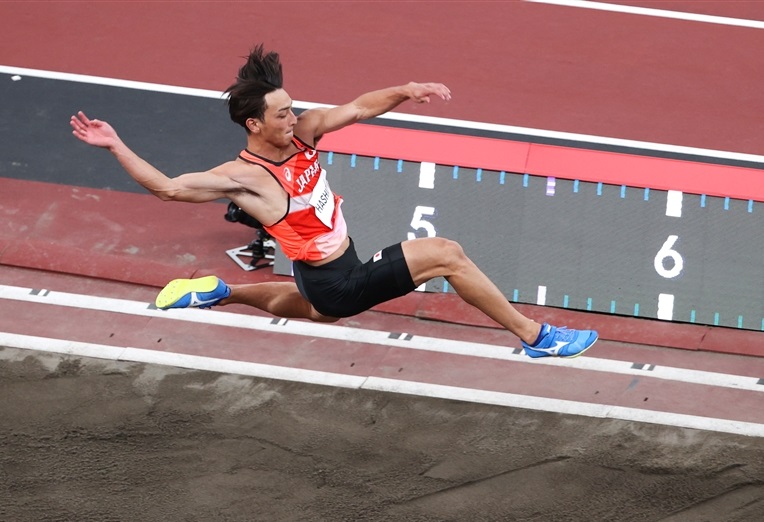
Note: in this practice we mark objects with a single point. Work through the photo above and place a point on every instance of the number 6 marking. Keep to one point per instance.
(418, 223)
(667, 252)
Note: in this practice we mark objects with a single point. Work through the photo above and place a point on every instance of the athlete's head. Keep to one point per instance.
(258, 77)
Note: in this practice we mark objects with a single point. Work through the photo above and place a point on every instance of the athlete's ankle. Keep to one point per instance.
(533, 334)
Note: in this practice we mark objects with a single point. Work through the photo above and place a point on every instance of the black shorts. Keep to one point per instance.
(346, 287)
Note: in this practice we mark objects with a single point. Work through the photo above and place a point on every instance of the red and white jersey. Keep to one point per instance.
(313, 227)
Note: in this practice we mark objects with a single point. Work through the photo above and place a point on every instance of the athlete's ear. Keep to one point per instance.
(253, 124)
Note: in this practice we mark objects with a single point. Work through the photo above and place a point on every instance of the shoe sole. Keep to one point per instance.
(179, 288)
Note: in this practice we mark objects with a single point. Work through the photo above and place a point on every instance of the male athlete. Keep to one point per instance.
(279, 181)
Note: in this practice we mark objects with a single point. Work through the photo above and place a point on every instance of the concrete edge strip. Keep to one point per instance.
(194, 362)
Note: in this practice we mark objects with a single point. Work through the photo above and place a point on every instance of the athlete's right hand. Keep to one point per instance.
(93, 132)
(420, 92)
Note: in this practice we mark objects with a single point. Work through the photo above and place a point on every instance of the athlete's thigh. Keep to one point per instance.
(429, 257)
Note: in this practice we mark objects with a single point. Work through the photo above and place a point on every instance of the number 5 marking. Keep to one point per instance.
(667, 252)
(418, 222)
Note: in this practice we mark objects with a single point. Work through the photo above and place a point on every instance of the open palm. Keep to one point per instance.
(93, 132)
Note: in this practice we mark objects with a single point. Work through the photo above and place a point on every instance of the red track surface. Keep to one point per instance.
(531, 65)
(515, 63)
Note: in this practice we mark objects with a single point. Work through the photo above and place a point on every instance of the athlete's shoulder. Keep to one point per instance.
(308, 125)
(236, 168)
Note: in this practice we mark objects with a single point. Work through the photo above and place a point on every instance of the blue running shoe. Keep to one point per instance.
(561, 342)
(204, 292)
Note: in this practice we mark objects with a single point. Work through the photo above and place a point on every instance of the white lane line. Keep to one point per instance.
(101, 351)
(565, 406)
(110, 82)
(359, 335)
(196, 362)
(397, 116)
(660, 13)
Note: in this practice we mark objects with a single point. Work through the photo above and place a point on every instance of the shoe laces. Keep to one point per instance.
(564, 334)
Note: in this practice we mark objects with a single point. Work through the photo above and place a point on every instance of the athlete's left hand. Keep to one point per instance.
(93, 132)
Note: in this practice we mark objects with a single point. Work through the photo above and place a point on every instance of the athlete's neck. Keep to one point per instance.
(269, 151)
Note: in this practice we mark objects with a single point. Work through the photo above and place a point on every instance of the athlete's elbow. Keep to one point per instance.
(167, 194)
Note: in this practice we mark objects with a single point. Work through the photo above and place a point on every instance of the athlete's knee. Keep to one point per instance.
(451, 253)
(317, 317)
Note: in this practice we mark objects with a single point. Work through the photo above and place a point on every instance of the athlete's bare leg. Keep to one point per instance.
(278, 299)
(433, 257)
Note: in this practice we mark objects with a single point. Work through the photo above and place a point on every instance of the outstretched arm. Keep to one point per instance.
(317, 122)
(192, 187)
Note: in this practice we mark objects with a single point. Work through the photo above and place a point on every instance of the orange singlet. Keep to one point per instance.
(313, 227)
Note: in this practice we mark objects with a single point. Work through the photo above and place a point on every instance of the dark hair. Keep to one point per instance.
(259, 76)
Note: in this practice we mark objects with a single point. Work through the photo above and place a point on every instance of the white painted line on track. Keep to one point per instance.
(359, 335)
(427, 175)
(566, 407)
(659, 13)
(195, 362)
(541, 295)
(110, 82)
(397, 116)
(666, 307)
(674, 203)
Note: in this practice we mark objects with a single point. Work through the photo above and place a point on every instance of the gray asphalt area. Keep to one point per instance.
(89, 439)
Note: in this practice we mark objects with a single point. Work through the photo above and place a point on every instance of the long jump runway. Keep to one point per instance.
(114, 410)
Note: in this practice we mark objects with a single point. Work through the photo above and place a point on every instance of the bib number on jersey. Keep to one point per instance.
(322, 200)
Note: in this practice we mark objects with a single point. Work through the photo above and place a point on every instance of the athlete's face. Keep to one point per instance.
(277, 125)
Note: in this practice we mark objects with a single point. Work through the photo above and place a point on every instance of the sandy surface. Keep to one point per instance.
(88, 439)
